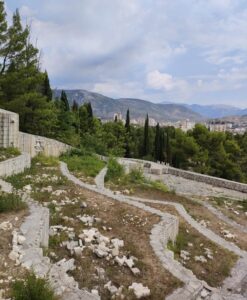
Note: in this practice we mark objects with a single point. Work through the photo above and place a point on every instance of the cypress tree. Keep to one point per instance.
(89, 110)
(64, 101)
(127, 122)
(75, 106)
(162, 146)
(47, 91)
(146, 137)
(168, 148)
(157, 143)
(127, 128)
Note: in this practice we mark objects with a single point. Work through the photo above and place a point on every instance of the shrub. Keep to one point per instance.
(115, 170)
(136, 176)
(32, 288)
(11, 202)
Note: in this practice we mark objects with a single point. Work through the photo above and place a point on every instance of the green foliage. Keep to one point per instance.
(115, 171)
(86, 164)
(6, 153)
(11, 202)
(46, 161)
(159, 186)
(32, 288)
(180, 243)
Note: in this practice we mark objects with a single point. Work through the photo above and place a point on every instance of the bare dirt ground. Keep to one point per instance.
(8, 270)
(122, 221)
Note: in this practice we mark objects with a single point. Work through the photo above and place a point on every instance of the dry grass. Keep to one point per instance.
(214, 271)
(128, 223)
(198, 212)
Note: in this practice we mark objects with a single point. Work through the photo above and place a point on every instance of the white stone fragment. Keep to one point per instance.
(139, 290)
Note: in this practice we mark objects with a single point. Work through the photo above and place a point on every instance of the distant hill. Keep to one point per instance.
(217, 111)
(105, 107)
(214, 111)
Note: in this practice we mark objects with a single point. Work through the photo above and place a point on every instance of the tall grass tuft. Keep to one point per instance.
(32, 288)
(11, 202)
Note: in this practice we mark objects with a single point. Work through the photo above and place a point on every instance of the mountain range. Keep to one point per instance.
(104, 107)
(217, 111)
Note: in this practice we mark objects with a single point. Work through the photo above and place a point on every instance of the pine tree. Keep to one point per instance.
(3, 29)
(64, 101)
(146, 137)
(46, 89)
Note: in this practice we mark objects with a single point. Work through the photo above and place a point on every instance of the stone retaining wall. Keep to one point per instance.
(159, 169)
(215, 181)
(34, 144)
(15, 165)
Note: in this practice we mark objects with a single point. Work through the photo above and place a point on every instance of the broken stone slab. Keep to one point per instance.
(6, 226)
(140, 290)
(111, 288)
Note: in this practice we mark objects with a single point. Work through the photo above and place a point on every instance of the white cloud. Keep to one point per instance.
(158, 80)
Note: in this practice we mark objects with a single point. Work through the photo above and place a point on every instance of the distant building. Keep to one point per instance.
(217, 126)
(186, 125)
(117, 116)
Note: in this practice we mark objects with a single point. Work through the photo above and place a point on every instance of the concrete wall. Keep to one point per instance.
(9, 129)
(15, 165)
(34, 144)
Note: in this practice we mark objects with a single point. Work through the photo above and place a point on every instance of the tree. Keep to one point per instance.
(64, 101)
(146, 137)
(127, 121)
(46, 89)
(75, 107)
(127, 128)
(157, 145)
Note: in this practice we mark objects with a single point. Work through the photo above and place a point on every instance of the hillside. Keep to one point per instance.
(105, 107)
(217, 111)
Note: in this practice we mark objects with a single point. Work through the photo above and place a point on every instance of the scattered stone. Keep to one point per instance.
(227, 234)
(21, 239)
(139, 290)
(6, 226)
(185, 255)
(201, 258)
(111, 288)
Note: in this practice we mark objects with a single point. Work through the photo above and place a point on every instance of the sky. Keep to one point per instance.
(189, 51)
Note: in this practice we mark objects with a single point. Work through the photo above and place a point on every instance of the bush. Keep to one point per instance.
(136, 176)
(115, 170)
(32, 288)
(11, 202)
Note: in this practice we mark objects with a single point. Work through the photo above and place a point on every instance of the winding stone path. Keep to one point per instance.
(161, 234)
